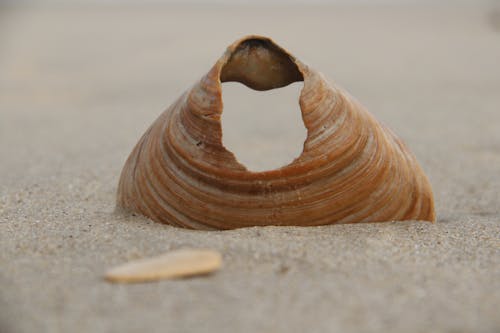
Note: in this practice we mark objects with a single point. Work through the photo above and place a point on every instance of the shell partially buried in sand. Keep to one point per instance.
(352, 168)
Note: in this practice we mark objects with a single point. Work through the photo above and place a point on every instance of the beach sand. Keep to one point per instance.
(80, 84)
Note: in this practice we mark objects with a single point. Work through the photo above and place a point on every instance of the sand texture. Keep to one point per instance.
(79, 85)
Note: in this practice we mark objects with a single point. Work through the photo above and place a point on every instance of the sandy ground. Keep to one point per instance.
(79, 85)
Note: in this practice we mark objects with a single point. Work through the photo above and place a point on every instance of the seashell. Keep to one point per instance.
(175, 264)
(352, 168)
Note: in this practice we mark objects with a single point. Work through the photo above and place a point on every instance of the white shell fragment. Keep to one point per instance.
(175, 264)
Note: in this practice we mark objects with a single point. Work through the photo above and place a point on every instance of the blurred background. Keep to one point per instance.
(86, 64)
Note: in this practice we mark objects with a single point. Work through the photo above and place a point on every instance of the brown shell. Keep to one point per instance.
(352, 168)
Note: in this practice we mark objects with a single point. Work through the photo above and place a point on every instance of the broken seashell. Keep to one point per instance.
(175, 264)
(352, 168)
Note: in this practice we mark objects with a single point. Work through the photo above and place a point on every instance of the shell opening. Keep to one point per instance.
(260, 64)
(264, 130)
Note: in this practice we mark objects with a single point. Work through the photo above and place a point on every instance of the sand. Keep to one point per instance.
(80, 84)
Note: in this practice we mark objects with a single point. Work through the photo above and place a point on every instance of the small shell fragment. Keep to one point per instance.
(175, 264)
